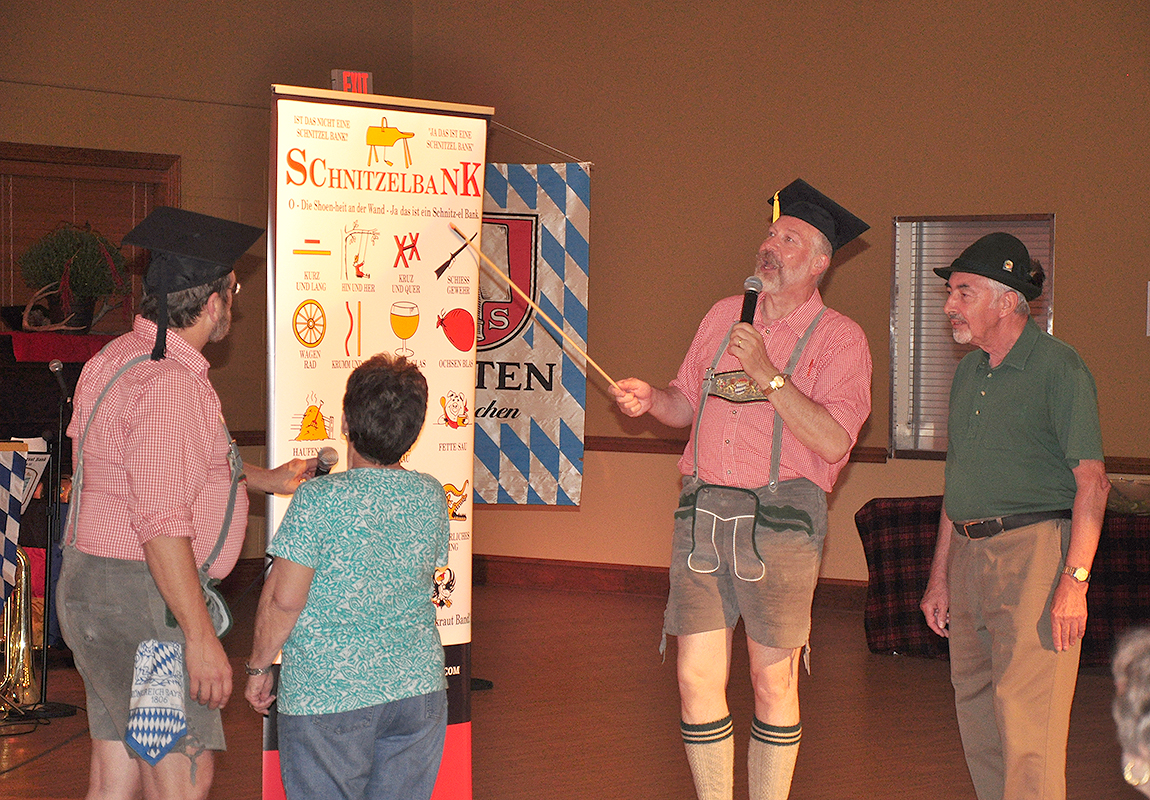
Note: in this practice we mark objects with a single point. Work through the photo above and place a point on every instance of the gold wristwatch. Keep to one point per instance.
(1080, 574)
(777, 383)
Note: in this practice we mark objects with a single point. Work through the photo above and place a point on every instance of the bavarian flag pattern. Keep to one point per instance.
(531, 392)
(12, 466)
(156, 719)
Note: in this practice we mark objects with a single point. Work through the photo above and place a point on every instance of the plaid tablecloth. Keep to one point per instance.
(898, 536)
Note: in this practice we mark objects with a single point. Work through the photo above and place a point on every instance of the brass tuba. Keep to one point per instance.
(19, 687)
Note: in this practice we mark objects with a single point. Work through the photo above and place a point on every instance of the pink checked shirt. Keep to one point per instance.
(735, 443)
(155, 458)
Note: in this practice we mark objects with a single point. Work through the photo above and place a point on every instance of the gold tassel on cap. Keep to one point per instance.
(775, 208)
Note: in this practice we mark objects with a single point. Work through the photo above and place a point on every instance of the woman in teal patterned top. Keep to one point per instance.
(362, 709)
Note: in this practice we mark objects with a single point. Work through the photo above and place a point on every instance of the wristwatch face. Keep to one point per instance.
(778, 381)
(1080, 574)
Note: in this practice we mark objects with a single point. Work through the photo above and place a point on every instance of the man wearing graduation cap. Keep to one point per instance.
(1022, 513)
(155, 499)
(775, 406)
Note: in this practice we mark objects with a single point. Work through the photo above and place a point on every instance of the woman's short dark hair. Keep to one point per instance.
(385, 404)
(186, 305)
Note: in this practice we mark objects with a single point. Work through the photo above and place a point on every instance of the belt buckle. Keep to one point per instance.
(982, 528)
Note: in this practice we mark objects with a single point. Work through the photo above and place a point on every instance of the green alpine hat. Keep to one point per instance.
(1001, 257)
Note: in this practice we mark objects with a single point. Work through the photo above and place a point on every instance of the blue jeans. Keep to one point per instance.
(386, 752)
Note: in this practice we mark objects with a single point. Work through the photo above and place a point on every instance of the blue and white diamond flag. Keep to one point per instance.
(13, 459)
(531, 388)
(156, 719)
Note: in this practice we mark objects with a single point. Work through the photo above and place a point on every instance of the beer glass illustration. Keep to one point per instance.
(404, 322)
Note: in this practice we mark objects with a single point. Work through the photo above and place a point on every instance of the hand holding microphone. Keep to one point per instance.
(747, 345)
(325, 460)
(751, 288)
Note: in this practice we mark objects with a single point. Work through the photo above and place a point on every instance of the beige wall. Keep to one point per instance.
(692, 115)
(192, 79)
(693, 118)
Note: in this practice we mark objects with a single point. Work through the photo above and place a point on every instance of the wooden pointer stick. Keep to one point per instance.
(532, 303)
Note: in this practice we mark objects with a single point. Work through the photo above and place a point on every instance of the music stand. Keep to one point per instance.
(53, 479)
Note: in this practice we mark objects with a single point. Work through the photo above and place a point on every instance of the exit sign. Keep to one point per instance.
(346, 80)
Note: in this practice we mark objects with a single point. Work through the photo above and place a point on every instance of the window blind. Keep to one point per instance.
(923, 353)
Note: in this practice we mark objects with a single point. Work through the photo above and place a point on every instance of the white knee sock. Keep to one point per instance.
(711, 754)
(771, 758)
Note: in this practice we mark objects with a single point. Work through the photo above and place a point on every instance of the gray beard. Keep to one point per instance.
(221, 329)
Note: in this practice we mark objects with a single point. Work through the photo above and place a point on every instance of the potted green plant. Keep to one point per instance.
(81, 266)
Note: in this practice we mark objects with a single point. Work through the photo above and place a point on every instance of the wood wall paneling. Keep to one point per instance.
(42, 187)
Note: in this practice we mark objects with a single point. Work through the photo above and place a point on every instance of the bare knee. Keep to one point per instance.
(703, 666)
(775, 679)
(695, 679)
(774, 688)
(180, 775)
(113, 774)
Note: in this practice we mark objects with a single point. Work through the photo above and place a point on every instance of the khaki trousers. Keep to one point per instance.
(1012, 689)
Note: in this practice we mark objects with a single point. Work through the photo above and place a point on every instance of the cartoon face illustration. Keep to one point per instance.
(454, 409)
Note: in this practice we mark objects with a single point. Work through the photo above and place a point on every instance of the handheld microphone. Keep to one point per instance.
(325, 459)
(751, 288)
(56, 367)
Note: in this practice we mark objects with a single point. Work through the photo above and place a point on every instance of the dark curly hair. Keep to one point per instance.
(384, 405)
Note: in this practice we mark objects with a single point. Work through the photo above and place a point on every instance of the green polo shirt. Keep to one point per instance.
(1017, 430)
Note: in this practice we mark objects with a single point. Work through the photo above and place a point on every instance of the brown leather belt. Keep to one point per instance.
(982, 528)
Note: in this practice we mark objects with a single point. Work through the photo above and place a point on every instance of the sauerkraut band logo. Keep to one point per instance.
(509, 240)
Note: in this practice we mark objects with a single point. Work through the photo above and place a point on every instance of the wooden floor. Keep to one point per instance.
(582, 707)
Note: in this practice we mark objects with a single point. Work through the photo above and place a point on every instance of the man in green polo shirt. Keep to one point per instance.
(1025, 495)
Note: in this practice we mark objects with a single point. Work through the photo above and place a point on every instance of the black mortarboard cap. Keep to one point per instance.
(801, 200)
(1001, 257)
(188, 250)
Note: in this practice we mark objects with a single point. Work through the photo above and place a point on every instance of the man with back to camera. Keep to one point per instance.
(1022, 514)
(775, 407)
(154, 499)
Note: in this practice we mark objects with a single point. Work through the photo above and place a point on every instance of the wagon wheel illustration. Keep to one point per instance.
(309, 323)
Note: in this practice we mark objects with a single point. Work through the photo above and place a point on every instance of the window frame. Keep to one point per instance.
(920, 377)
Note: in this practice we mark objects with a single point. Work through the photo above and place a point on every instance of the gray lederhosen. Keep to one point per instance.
(750, 553)
(107, 606)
